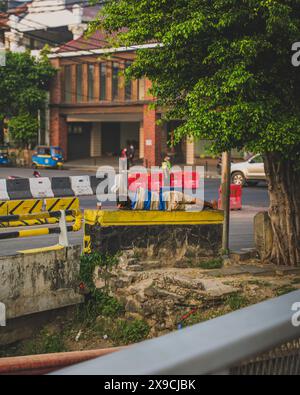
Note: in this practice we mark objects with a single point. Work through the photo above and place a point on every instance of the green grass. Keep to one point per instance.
(285, 289)
(129, 331)
(296, 280)
(236, 301)
(212, 264)
(44, 343)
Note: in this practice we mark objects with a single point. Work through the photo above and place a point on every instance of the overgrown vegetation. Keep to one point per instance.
(101, 311)
(285, 289)
(212, 264)
(237, 301)
(44, 343)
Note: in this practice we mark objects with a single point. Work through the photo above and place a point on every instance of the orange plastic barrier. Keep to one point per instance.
(235, 197)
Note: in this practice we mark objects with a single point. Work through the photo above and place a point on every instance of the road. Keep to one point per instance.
(241, 233)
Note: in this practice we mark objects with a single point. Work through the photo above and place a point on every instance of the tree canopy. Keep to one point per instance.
(224, 66)
(24, 82)
(3, 5)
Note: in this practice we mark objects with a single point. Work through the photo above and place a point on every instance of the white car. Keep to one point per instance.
(250, 172)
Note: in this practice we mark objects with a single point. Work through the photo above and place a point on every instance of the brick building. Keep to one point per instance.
(95, 113)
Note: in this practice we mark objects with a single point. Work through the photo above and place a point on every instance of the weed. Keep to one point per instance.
(99, 303)
(285, 289)
(296, 280)
(212, 264)
(127, 332)
(236, 301)
(259, 283)
(44, 343)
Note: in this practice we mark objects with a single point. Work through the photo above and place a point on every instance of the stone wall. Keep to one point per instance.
(157, 277)
(158, 245)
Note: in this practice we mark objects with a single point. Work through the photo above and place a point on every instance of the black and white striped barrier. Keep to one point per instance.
(44, 187)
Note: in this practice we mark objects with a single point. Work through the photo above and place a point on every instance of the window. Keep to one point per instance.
(115, 81)
(75, 129)
(257, 159)
(68, 85)
(102, 81)
(141, 89)
(44, 151)
(91, 68)
(79, 83)
(128, 85)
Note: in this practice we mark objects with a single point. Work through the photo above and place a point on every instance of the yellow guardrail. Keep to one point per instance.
(37, 206)
(42, 231)
(142, 218)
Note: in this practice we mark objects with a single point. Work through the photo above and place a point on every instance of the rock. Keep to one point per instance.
(132, 261)
(151, 292)
(132, 307)
(136, 268)
(217, 288)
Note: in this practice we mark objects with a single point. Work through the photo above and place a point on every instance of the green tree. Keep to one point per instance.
(24, 82)
(224, 68)
(3, 5)
(23, 129)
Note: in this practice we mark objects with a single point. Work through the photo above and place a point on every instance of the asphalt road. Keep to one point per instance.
(241, 233)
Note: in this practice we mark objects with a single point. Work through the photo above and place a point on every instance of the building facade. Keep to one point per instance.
(94, 112)
(36, 23)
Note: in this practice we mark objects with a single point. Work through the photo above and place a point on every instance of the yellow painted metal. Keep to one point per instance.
(78, 221)
(20, 207)
(3, 208)
(34, 232)
(87, 244)
(142, 218)
(55, 204)
(24, 207)
(43, 249)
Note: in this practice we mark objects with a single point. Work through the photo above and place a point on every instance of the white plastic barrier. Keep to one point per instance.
(41, 187)
(3, 190)
(81, 185)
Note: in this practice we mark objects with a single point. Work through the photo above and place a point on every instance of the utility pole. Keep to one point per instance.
(225, 187)
(40, 128)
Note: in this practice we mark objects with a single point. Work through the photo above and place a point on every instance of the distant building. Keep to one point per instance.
(94, 113)
(38, 22)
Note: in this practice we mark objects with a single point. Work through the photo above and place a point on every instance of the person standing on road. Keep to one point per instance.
(131, 154)
(123, 158)
(166, 167)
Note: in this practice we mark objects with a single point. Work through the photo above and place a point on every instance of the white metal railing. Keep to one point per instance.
(218, 345)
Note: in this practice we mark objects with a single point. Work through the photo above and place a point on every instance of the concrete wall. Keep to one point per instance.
(35, 283)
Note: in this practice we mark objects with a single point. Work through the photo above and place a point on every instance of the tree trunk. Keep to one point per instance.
(283, 177)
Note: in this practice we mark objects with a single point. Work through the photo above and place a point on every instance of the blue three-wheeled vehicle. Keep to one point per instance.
(48, 157)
